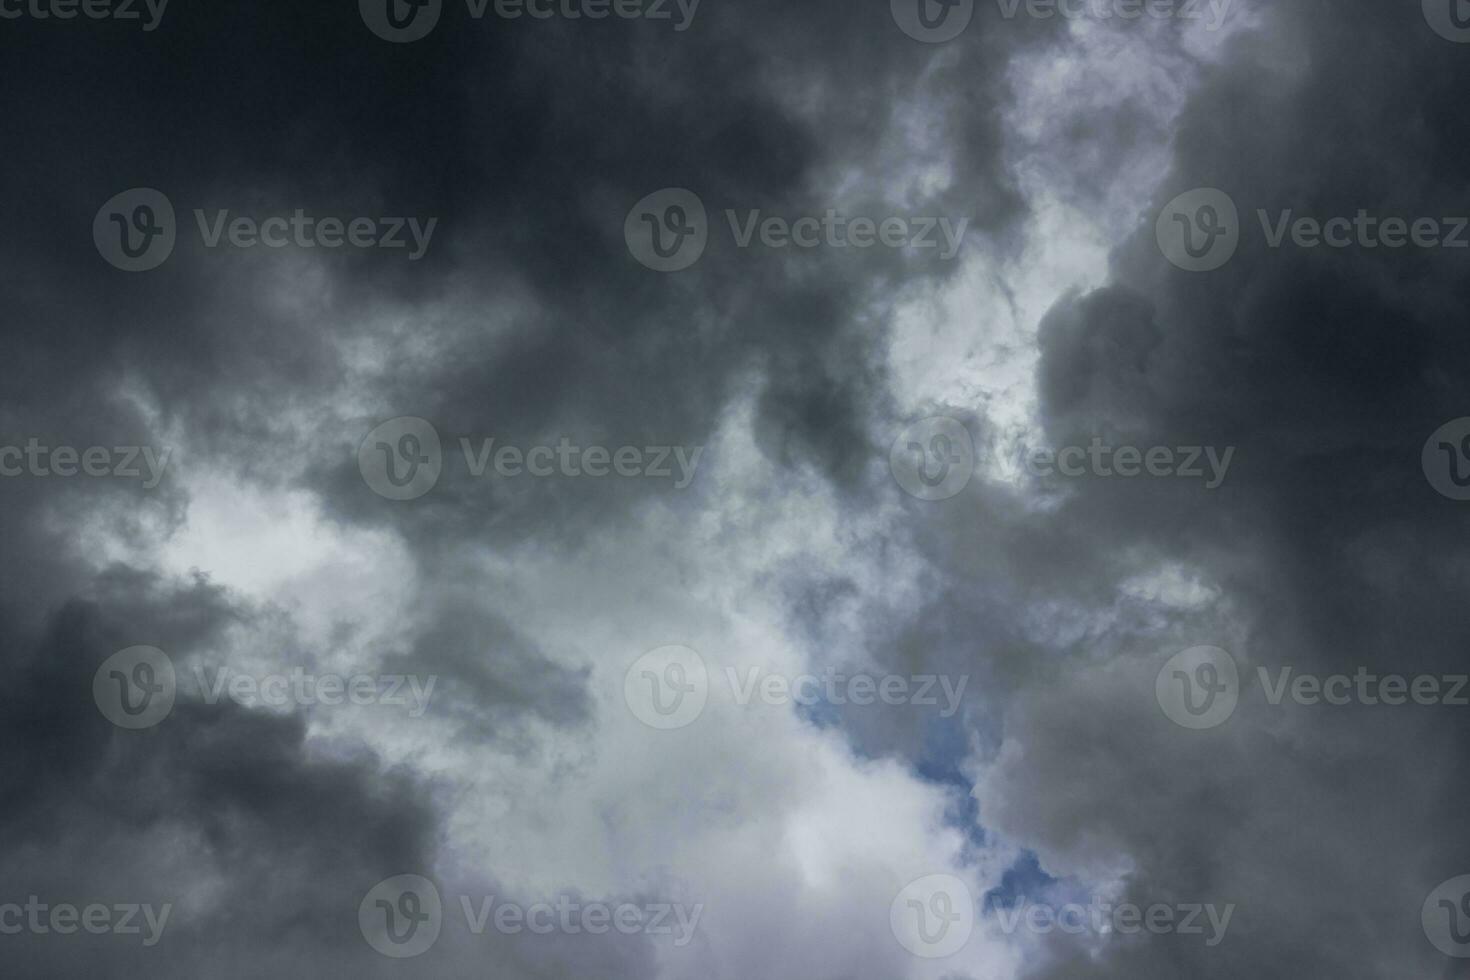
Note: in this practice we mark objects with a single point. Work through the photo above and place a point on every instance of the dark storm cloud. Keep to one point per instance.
(1328, 369)
(491, 674)
(529, 142)
(257, 845)
(527, 320)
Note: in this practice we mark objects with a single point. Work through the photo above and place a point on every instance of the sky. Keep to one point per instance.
(848, 490)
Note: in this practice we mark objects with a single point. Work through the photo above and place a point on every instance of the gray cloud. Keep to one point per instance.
(528, 320)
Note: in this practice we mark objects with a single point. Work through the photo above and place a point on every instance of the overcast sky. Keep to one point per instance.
(924, 435)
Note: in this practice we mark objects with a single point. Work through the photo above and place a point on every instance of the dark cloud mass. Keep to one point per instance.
(771, 525)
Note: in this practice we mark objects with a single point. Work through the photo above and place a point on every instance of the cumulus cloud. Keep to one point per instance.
(792, 824)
